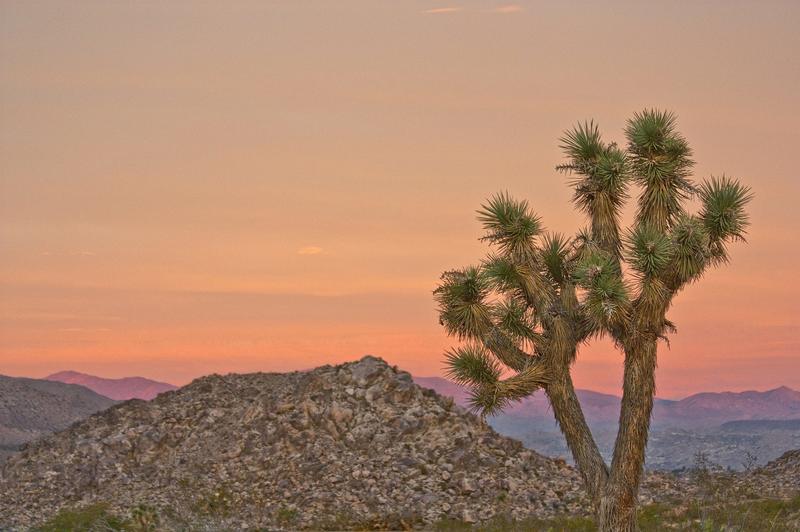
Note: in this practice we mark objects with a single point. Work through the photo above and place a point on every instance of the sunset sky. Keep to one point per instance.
(190, 187)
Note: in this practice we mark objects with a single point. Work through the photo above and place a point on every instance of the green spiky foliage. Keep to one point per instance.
(523, 312)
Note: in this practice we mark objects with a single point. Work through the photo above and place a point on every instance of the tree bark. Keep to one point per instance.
(617, 511)
(569, 415)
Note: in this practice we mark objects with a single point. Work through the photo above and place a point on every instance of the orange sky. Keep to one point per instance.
(193, 187)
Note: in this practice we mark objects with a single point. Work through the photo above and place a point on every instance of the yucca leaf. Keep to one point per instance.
(513, 318)
(690, 241)
(723, 212)
(523, 280)
(462, 307)
(492, 398)
(650, 131)
(649, 250)
(501, 273)
(471, 365)
(524, 383)
(660, 161)
(486, 400)
(510, 225)
(554, 253)
(592, 265)
(601, 181)
(612, 173)
(582, 144)
(607, 301)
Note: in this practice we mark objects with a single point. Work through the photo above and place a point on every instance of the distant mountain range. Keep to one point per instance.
(697, 410)
(30, 408)
(707, 407)
(728, 427)
(117, 389)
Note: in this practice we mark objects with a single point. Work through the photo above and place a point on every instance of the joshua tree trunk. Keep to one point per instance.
(567, 411)
(613, 518)
(613, 494)
(618, 504)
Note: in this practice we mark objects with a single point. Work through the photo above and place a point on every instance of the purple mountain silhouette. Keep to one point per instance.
(119, 389)
(692, 411)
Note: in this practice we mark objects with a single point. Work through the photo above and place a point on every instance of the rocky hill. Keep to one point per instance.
(119, 389)
(353, 445)
(780, 477)
(30, 408)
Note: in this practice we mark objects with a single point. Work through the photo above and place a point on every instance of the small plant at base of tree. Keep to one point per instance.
(525, 310)
(145, 518)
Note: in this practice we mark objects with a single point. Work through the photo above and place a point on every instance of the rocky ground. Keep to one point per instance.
(356, 445)
(779, 478)
(359, 443)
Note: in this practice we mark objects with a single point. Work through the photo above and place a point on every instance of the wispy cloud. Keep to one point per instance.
(310, 250)
(82, 253)
(503, 9)
(442, 10)
(507, 9)
(57, 316)
(83, 329)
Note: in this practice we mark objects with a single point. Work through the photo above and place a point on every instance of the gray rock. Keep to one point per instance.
(287, 451)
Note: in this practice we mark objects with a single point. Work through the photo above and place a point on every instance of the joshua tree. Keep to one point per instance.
(523, 312)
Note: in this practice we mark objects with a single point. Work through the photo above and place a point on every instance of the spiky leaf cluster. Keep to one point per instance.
(555, 251)
(462, 308)
(660, 163)
(649, 250)
(601, 178)
(691, 242)
(472, 365)
(513, 317)
(723, 213)
(510, 225)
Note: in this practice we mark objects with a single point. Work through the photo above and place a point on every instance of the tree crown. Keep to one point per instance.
(525, 308)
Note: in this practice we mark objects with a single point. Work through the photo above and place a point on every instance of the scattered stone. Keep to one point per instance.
(287, 451)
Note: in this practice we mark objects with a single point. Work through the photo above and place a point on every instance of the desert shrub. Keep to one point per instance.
(91, 518)
(286, 515)
(750, 462)
(144, 519)
(216, 503)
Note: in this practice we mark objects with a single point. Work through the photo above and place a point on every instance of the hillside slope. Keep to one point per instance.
(780, 476)
(358, 443)
(119, 389)
(30, 408)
